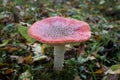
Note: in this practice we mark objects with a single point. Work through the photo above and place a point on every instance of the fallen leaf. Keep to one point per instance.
(25, 24)
(2, 16)
(77, 77)
(49, 9)
(9, 71)
(28, 59)
(38, 58)
(4, 43)
(2, 65)
(36, 48)
(81, 60)
(112, 72)
(26, 76)
(43, 48)
(99, 71)
(98, 37)
(20, 59)
(81, 49)
(90, 57)
(68, 47)
(24, 32)
(38, 51)
(14, 49)
(104, 68)
(97, 64)
(11, 48)
(114, 69)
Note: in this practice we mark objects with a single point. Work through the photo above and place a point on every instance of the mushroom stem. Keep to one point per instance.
(59, 51)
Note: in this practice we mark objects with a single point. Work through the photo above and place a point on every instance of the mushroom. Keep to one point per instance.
(58, 31)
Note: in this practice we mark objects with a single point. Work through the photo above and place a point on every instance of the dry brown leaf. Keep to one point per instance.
(98, 37)
(2, 65)
(28, 59)
(43, 48)
(9, 71)
(99, 71)
(14, 49)
(10, 48)
(81, 49)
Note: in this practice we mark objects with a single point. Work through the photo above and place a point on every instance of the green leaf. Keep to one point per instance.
(24, 32)
(115, 67)
(2, 16)
(19, 1)
(4, 43)
(81, 60)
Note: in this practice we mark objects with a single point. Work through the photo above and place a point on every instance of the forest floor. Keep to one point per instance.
(96, 59)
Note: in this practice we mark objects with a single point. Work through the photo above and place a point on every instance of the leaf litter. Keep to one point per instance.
(20, 54)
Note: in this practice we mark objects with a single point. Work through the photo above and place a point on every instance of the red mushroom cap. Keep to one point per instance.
(59, 30)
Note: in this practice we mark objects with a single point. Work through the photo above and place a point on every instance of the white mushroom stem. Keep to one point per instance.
(59, 51)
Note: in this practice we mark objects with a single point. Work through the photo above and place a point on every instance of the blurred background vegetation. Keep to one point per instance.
(101, 59)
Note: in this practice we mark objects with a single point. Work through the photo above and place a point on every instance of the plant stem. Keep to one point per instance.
(59, 51)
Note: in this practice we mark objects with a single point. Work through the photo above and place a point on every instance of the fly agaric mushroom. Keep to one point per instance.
(58, 31)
